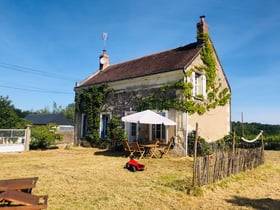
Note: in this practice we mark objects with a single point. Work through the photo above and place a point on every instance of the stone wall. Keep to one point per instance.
(68, 137)
(126, 100)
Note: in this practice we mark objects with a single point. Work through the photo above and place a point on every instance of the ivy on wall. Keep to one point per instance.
(89, 101)
(179, 95)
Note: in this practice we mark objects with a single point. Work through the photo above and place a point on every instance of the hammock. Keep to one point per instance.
(253, 140)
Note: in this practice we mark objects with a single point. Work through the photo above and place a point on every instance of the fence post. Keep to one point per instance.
(27, 138)
(195, 151)
(233, 142)
(262, 152)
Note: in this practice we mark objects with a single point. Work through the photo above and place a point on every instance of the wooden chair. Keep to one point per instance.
(127, 148)
(164, 151)
(137, 149)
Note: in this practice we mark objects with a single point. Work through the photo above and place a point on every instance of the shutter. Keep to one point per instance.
(193, 82)
(204, 86)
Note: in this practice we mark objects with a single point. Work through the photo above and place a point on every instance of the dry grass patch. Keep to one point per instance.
(86, 178)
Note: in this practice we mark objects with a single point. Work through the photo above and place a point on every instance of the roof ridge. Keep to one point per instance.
(153, 54)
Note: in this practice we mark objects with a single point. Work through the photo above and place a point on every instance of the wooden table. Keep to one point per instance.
(16, 194)
(22, 184)
(150, 150)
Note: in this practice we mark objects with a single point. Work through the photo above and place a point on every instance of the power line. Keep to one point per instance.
(38, 90)
(34, 71)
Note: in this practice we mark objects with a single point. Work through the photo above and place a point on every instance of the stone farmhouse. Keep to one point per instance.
(186, 84)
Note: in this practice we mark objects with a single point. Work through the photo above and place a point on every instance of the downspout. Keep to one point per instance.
(186, 136)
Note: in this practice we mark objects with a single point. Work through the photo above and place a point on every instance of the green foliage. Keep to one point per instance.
(115, 130)
(69, 112)
(208, 58)
(208, 148)
(179, 95)
(251, 130)
(9, 115)
(89, 101)
(43, 137)
(270, 132)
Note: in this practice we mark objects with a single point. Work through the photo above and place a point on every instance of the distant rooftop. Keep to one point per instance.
(44, 119)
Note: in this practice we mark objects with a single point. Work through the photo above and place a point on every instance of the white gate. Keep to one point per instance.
(14, 140)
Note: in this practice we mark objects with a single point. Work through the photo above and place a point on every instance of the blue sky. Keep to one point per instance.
(48, 45)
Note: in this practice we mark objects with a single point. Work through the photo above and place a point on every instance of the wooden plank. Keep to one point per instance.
(41, 205)
(18, 184)
(19, 197)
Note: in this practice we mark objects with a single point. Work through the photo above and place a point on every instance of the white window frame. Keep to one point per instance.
(199, 84)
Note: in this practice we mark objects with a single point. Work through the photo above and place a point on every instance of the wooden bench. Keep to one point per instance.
(13, 199)
(22, 184)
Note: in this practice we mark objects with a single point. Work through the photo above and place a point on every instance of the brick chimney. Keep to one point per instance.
(103, 61)
(201, 28)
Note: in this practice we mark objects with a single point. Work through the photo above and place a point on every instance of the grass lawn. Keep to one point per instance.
(88, 178)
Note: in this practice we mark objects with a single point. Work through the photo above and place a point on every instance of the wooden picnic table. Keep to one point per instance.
(150, 150)
(21, 184)
(16, 194)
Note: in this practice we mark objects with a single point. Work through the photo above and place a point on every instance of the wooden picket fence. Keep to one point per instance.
(224, 161)
(211, 168)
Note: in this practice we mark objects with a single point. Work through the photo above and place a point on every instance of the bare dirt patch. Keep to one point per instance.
(83, 178)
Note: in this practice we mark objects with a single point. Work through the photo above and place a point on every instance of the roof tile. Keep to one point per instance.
(152, 64)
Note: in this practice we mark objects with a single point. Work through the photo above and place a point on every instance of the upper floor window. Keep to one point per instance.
(199, 85)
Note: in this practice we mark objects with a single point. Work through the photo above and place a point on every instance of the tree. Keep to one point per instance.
(56, 109)
(8, 115)
(69, 112)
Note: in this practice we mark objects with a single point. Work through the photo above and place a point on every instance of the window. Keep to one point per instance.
(133, 129)
(199, 85)
(65, 128)
(158, 132)
(104, 125)
(84, 125)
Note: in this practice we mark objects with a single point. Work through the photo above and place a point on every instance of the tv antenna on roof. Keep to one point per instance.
(104, 38)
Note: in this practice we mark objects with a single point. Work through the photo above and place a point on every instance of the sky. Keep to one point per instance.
(46, 46)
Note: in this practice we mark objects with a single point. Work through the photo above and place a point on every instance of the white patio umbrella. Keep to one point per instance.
(147, 117)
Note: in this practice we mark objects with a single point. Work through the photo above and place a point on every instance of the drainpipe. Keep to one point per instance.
(186, 136)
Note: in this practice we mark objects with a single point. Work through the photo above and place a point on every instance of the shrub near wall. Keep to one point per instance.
(44, 136)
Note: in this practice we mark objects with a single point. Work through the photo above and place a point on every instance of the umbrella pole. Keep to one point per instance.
(137, 130)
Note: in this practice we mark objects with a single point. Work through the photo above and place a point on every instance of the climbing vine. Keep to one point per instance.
(89, 101)
(179, 94)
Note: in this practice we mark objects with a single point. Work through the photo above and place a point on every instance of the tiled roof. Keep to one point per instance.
(169, 60)
(44, 119)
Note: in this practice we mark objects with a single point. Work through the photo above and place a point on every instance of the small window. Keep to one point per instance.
(158, 132)
(133, 129)
(199, 85)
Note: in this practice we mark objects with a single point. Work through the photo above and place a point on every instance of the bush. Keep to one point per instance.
(115, 129)
(43, 137)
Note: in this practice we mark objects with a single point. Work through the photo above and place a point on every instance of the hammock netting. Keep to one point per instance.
(253, 140)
